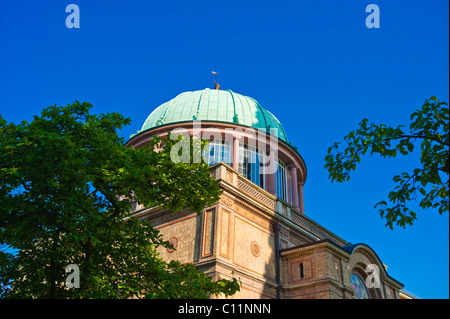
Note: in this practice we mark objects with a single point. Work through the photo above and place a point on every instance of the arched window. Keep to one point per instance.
(359, 287)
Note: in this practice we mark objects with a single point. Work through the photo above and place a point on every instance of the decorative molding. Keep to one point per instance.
(169, 219)
(227, 201)
(174, 242)
(336, 270)
(255, 193)
(212, 172)
(299, 254)
(208, 233)
(284, 232)
(224, 240)
(229, 176)
(284, 210)
(311, 227)
(252, 215)
(255, 249)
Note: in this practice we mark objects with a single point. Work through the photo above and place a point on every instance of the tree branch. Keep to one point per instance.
(424, 137)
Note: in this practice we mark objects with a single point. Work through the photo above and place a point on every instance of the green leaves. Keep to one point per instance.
(184, 281)
(430, 126)
(66, 186)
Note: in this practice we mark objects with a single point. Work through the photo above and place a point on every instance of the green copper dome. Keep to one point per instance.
(214, 106)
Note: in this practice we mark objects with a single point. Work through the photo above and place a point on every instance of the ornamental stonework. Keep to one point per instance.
(241, 210)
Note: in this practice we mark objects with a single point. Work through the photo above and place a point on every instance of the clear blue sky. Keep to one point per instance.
(314, 64)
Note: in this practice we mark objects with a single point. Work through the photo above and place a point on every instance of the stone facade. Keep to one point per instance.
(274, 250)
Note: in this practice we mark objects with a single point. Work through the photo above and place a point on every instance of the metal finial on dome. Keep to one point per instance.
(217, 87)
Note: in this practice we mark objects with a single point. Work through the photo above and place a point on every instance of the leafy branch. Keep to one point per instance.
(431, 125)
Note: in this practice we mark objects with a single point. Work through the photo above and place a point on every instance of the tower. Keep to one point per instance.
(258, 231)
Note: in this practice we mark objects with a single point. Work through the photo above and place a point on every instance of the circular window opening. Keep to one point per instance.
(256, 249)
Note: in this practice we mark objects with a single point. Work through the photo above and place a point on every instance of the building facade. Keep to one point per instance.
(257, 232)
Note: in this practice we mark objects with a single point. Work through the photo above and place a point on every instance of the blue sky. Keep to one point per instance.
(314, 64)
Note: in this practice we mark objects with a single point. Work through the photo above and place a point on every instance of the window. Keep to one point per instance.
(218, 151)
(359, 287)
(251, 160)
(281, 181)
(305, 270)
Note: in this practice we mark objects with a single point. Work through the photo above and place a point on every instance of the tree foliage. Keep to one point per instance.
(429, 182)
(67, 182)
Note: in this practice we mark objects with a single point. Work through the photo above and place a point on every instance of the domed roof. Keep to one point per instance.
(214, 106)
